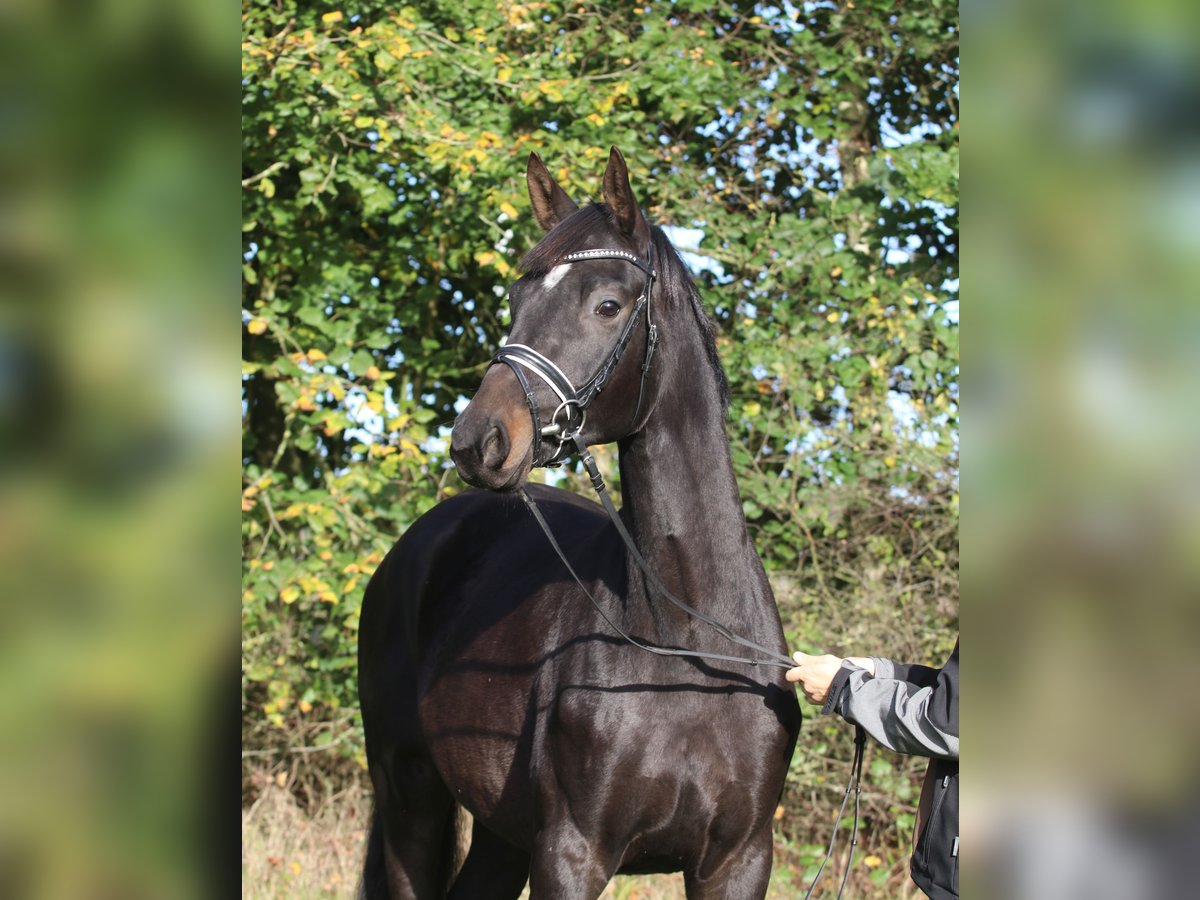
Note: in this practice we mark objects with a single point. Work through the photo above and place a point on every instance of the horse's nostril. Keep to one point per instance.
(495, 448)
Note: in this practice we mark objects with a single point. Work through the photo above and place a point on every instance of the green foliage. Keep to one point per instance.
(384, 211)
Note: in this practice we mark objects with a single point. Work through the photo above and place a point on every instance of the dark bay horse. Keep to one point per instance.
(489, 683)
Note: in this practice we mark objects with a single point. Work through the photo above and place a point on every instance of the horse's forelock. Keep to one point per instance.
(572, 233)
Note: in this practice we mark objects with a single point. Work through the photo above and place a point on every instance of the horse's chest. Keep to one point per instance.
(652, 742)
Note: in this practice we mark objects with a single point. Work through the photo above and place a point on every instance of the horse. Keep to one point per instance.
(488, 682)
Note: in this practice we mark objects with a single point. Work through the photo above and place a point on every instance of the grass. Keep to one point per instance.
(291, 854)
(288, 853)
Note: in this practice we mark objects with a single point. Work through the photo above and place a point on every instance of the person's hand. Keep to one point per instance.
(815, 673)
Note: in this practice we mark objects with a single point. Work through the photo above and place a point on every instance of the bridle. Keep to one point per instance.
(574, 402)
(572, 407)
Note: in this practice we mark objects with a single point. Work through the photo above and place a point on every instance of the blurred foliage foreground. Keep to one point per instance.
(807, 155)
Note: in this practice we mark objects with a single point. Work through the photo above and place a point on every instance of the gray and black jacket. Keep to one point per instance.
(914, 709)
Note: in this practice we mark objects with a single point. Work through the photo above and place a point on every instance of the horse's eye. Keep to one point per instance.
(608, 309)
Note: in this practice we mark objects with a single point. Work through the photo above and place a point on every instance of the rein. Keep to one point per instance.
(855, 782)
(573, 402)
(774, 658)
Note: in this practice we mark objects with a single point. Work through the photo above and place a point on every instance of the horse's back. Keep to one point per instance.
(475, 556)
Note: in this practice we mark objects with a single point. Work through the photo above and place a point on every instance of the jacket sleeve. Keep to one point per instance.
(921, 676)
(919, 717)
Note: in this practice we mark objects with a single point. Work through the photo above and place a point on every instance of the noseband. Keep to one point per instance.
(573, 402)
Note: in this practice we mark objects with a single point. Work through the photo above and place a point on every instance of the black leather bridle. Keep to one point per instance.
(574, 402)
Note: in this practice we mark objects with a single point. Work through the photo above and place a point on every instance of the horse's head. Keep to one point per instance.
(574, 362)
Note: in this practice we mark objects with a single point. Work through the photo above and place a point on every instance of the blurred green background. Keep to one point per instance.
(117, 442)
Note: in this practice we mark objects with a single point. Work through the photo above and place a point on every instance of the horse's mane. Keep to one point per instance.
(675, 282)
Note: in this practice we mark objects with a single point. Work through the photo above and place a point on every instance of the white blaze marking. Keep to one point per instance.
(555, 276)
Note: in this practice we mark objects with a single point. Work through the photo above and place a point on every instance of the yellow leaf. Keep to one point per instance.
(832, 317)
(596, 119)
(316, 356)
(504, 74)
(289, 594)
(485, 257)
(508, 209)
(872, 861)
(295, 866)
(752, 409)
(331, 17)
(372, 373)
(256, 326)
(363, 121)
(551, 89)
(889, 461)
(327, 597)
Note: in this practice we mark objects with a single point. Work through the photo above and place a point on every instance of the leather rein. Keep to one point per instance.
(572, 408)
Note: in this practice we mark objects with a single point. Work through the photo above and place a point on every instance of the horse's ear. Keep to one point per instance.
(619, 197)
(550, 202)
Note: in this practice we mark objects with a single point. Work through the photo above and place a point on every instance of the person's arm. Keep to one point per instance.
(903, 716)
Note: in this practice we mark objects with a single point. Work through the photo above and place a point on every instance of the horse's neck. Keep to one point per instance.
(683, 505)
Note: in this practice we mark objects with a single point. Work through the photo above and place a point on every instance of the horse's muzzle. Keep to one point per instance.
(492, 439)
